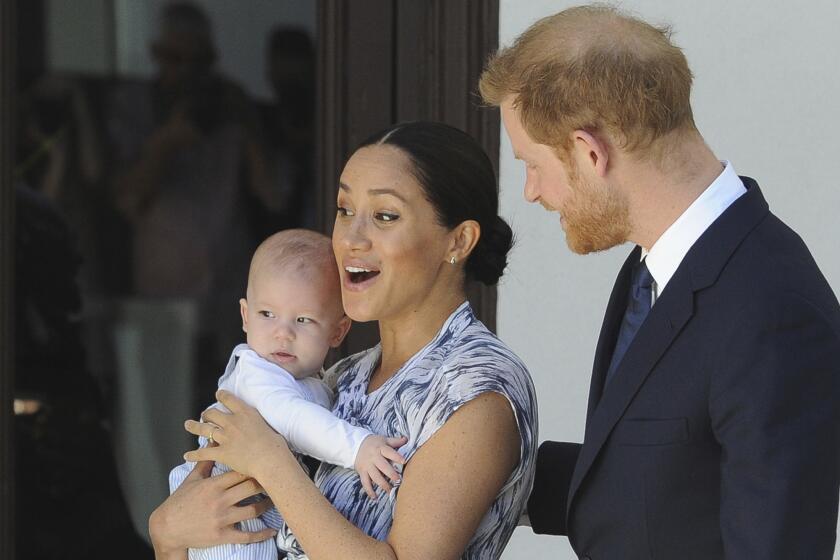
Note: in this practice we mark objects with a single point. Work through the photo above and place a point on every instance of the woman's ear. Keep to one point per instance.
(341, 330)
(243, 310)
(465, 236)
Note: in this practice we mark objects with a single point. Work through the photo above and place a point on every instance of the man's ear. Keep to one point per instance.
(591, 152)
(243, 310)
(465, 236)
(341, 330)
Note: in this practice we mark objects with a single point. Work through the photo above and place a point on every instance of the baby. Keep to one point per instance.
(292, 315)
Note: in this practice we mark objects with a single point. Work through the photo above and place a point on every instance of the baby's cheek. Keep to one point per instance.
(317, 347)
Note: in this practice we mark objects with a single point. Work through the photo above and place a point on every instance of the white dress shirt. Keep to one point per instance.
(670, 249)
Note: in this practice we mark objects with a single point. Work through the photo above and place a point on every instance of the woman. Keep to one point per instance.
(417, 218)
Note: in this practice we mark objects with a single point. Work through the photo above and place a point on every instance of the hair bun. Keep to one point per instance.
(488, 260)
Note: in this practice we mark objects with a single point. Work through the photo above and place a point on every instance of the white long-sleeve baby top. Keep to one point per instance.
(298, 409)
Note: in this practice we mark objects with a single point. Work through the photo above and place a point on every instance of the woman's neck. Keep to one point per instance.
(404, 336)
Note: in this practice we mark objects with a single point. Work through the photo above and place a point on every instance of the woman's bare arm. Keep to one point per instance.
(447, 487)
(453, 479)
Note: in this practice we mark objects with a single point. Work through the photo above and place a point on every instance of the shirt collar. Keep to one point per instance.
(670, 249)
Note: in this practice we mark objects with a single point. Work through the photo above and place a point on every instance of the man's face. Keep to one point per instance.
(546, 177)
(594, 216)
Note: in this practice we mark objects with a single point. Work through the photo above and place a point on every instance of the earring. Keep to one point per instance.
(452, 260)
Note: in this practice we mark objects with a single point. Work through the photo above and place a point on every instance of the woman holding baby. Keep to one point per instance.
(417, 219)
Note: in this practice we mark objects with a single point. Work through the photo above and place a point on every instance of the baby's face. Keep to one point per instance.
(292, 320)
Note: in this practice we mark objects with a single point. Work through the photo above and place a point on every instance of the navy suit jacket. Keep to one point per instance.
(719, 435)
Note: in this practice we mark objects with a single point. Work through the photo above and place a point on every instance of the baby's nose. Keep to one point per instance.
(284, 331)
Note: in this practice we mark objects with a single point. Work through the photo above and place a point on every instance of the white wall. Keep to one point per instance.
(767, 85)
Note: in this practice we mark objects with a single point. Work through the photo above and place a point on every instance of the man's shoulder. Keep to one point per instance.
(769, 270)
(774, 257)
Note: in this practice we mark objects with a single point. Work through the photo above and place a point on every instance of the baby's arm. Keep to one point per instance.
(315, 431)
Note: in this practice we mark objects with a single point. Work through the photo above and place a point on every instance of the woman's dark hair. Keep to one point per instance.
(458, 179)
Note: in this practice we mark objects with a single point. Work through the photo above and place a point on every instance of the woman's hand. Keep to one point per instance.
(175, 525)
(245, 442)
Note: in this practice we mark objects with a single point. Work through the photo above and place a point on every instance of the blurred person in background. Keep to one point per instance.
(69, 503)
(181, 154)
(287, 126)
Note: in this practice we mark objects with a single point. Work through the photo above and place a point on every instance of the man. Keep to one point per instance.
(712, 424)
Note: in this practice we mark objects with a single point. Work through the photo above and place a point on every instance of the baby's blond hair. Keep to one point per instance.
(308, 252)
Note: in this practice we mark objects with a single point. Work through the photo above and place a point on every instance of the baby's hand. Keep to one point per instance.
(373, 462)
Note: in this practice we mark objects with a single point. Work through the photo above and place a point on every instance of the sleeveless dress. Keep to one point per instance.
(463, 361)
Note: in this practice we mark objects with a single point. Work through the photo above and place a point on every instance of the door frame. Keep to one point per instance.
(7, 88)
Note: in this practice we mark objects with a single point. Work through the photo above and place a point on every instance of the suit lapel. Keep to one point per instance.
(699, 269)
(609, 330)
(656, 334)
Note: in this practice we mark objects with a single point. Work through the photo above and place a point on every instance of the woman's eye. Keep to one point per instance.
(342, 211)
(386, 217)
(304, 320)
(267, 314)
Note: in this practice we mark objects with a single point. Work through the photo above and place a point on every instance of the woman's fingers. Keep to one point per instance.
(202, 454)
(203, 429)
(248, 511)
(231, 479)
(202, 469)
(193, 427)
(215, 416)
(243, 490)
(195, 515)
(208, 430)
(233, 403)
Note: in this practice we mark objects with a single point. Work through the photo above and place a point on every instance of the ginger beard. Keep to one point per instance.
(595, 218)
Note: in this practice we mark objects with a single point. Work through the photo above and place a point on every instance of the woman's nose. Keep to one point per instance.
(354, 235)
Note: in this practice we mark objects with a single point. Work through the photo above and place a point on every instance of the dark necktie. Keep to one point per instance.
(638, 307)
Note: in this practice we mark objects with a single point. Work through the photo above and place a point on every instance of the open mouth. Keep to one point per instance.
(358, 275)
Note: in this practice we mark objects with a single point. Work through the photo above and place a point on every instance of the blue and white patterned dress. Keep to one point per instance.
(463, 361)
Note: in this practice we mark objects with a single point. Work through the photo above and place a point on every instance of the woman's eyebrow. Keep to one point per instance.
(375, 192)
(392, 192)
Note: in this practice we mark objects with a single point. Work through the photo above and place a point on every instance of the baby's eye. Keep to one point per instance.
(305, 320)
(267, 314)
(386, 217)
(342, 211)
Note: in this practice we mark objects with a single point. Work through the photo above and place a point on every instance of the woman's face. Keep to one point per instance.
(388, 243)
